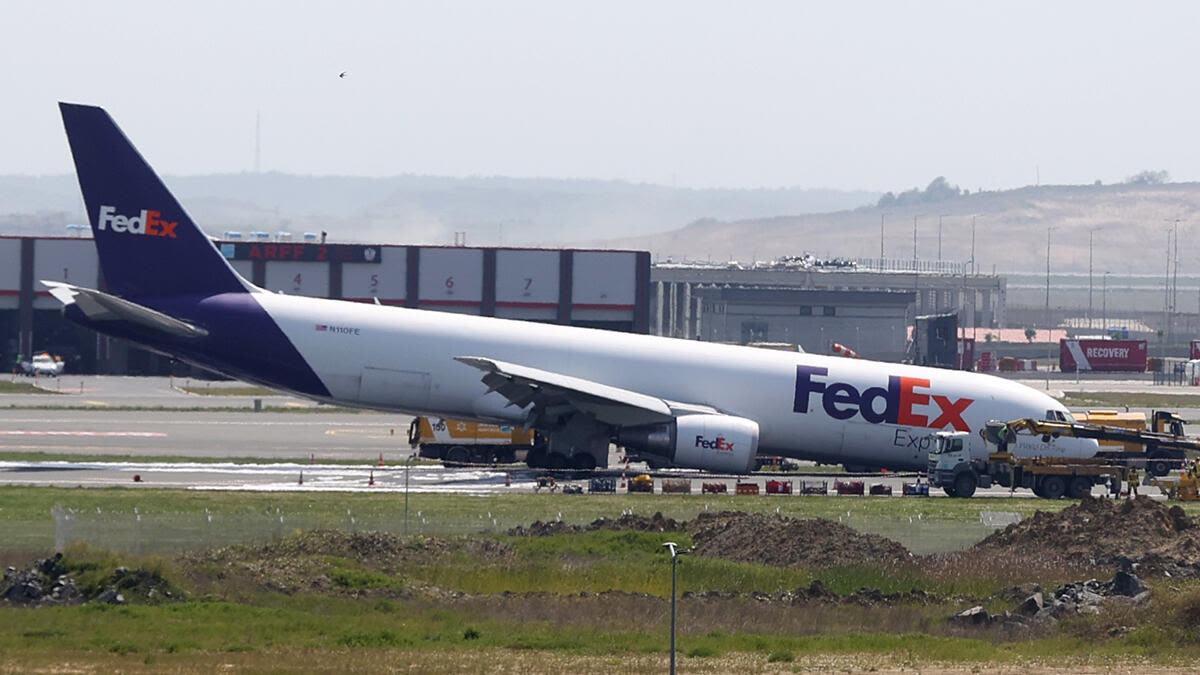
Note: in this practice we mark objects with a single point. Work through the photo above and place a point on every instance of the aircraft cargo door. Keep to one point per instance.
(407, 389)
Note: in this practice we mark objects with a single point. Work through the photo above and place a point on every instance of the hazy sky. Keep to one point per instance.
(870, 95)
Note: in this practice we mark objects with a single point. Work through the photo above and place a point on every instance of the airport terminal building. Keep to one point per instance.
(598, 289)
(867, 311)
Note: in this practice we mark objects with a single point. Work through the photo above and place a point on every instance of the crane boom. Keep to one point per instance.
(1155, 439)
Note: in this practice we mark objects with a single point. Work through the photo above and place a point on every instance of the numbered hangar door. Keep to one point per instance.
(10, 273)
(451, 279)
(609, 289)
(71, 260)
(527, 284)
(385, 277)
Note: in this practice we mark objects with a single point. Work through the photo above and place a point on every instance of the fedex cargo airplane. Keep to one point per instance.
(687, 403)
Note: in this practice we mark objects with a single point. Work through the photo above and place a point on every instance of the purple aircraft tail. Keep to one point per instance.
(148, 245)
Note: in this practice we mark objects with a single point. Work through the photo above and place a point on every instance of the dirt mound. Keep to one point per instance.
(790, 542)
(627, 522)
(655, 523)
(52, 582)
(1104, 532)
(752, 537)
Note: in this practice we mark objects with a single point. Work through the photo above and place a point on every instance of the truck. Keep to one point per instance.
(953, 468)
(1159, 460)
(458, 443)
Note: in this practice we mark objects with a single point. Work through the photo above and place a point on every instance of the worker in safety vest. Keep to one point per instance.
(1133, 482)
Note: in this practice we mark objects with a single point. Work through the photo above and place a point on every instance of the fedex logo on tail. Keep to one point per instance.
(148, 223)
(842, 400)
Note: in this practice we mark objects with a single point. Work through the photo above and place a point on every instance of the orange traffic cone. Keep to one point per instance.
(301, 478)
(371, 481)
(507, 479)
(381, 458)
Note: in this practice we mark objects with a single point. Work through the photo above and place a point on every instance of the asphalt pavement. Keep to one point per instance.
(92, 416)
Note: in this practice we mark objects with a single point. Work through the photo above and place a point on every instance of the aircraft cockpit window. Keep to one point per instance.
(1056, 416)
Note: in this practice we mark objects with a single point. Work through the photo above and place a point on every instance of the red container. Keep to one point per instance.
(779, 487)
(966, 354)
(1195, 353)
(1127, 356)
(848, 487)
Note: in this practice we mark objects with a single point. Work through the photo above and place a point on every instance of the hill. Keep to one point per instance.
(1130, 222)
(426, 209)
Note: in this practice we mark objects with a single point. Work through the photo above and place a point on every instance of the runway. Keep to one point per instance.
(144, 418)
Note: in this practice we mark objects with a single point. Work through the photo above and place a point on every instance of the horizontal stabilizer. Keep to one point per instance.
(101, 307)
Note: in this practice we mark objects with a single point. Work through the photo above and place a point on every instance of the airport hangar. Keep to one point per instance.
(865, 304)
(867, 311)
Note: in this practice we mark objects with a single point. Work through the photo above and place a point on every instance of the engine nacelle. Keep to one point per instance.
(721, 443)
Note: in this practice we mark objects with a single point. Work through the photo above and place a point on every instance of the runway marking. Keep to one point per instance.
(102, 403)
(139, 434)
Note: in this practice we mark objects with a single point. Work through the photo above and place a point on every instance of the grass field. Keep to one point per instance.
(21, 388)
(594, 602)
(1132, 399)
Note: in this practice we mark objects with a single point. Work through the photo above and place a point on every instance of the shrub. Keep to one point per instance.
(781, 656)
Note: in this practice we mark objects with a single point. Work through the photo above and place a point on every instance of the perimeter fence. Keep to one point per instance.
(138, 532)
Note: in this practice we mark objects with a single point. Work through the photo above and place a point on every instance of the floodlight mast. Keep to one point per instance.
(675, 553)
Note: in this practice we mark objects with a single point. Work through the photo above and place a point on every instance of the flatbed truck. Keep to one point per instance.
(953, 468)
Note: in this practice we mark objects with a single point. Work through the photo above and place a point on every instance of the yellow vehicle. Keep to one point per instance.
(1185, 487)
(1161, 422)
(952, 467)
(642, 483)
(459, 443)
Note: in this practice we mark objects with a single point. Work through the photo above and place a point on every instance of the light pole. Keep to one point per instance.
(1104, 304)
(973, 246)
(675, 553)
(407, 463)
(940, 216)
(1047, 318)
(881, 217)
(1091, 231)
(915, 216)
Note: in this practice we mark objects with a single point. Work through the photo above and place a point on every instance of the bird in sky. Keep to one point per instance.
(342, 74)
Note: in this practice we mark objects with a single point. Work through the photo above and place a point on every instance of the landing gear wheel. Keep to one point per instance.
(949, 491)
(1158, 465)
(583, 462)
(536, 459)
(964, 485)
(1080, 487)
(457, 456)
(1053, 487)
(556, 460)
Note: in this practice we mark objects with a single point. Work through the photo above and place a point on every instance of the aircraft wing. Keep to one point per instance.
(554, 393)
(99, 306)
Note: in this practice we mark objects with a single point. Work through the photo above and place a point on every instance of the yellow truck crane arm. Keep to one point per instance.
(1169, 441)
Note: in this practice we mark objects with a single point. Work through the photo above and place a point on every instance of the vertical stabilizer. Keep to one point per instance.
(148, 245)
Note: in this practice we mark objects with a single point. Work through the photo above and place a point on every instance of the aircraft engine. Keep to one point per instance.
(720, 443)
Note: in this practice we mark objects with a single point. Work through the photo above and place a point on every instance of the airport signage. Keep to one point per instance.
(346, 253)
(1127, 356)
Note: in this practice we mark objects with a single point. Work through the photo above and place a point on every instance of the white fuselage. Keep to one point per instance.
(807, 406)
